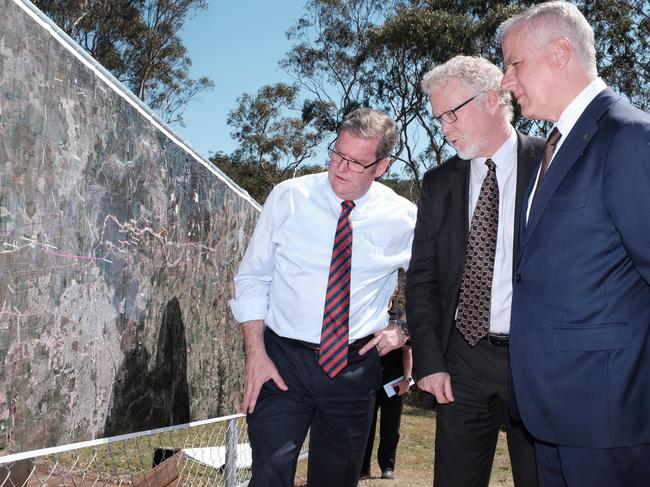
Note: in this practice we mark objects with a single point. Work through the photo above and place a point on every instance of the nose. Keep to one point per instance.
(508, 81)
(343, 166)
(446, 127)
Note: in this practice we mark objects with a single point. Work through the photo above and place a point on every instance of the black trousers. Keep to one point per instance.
(338, 411)
(389, 421)
(467, 429)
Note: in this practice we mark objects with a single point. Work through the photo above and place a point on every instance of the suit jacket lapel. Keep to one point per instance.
(526, 163)
(459, 189)
(575, 143)
(459, 193)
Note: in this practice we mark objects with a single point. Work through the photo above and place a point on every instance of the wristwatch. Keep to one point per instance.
(402, 327)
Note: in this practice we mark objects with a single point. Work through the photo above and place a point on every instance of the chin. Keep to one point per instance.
(526, 111)
(339, 186)
(467, 154)
(341, 191)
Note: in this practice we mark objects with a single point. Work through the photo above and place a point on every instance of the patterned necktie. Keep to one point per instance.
(334, 334)
(473, 318)
(551, 142)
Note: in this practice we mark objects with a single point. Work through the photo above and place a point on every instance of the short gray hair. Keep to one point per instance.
(366, 123)
(475, 73)
(558, 19)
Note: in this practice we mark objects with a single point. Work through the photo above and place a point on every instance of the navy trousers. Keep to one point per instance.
(564, 466)
(338, 411)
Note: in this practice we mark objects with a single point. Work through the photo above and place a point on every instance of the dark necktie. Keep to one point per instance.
(551, 142)
(334, 334)
(473, 318)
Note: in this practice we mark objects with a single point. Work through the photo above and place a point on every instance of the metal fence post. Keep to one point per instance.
(231, 453)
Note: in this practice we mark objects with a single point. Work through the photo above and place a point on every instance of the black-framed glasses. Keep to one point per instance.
(450, 115)
(354, 166)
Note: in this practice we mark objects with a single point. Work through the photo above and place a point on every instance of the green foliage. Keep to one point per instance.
(138, 42)
(408, 188)
(622, 31)
(351, 53)
(257, 181)
(267, 136)
(328, 59)
(273, 144)
(363, 52)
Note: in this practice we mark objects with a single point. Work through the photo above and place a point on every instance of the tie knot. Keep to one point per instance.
(554, 137)
(347, 205)
(491, 165)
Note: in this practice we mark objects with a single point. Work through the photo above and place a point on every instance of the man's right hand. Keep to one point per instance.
(259, 367)
(438, 384)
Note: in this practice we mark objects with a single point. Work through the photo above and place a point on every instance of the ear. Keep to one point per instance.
(381, 167)
(562, 51)
(492, 98)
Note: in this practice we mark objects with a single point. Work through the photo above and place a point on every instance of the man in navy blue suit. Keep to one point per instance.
(580, 325)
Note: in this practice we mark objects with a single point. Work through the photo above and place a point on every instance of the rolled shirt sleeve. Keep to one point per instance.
(253, 280)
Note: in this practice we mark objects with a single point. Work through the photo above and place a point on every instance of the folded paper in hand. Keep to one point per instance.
(389, 387)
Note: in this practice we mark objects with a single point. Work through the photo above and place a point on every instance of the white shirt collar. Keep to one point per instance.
(572, 113)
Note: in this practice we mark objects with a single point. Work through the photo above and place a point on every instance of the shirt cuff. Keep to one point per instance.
(249, 309)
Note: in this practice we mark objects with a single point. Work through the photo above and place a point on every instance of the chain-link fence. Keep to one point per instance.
(210, 453)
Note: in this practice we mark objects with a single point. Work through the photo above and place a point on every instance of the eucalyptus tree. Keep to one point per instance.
(348, 53)
(138, 42)
(273, 139)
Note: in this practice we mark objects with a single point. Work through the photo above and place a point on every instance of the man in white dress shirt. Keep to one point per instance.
(281, 290)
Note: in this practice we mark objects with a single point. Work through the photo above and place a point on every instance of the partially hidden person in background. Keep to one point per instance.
(395, 365)
(311, 297)
(459, 283)
(580, 330)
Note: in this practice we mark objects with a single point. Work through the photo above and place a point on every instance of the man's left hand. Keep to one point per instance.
(386, 340)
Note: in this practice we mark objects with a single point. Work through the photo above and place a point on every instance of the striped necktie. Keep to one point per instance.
(334, 334)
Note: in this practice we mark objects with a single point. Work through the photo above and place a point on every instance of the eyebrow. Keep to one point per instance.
(348, 157)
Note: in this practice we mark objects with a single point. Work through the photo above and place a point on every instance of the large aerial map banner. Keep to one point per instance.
(117, 249)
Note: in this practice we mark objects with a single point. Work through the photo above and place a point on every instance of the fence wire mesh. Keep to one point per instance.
(204, 454)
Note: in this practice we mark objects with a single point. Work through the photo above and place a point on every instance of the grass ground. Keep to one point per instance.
(415, 456)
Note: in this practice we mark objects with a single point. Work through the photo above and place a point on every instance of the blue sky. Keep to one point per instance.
(237, 44)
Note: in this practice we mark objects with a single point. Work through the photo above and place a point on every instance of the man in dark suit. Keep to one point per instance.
(469, 373)
(580, 330)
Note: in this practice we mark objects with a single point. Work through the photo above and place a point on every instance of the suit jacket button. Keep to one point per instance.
(518, 278)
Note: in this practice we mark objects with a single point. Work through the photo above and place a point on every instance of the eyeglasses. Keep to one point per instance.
(354, 166)
(450, 115)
